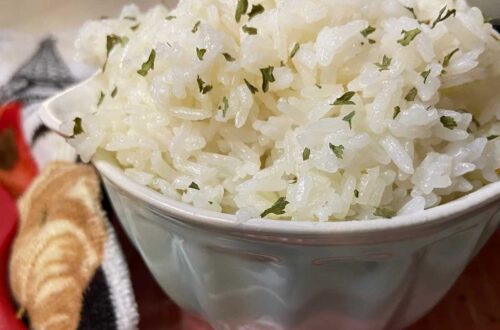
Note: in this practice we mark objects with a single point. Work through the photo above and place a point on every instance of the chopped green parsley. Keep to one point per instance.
(397, 110)
(225, 107)
(408, 36)
(337, 150)
(448, 122)
(277, 208)
(228, 57)
(267, 77)
(306, 154)
(256, 10)
(251, 87)
(101, 98)
(203, 87)
(412, 94)
(249, 30)
(241, 9)
(447, 58)
(196, 26)
(348, 118)
(345, 99)
(425, 75)
(295, 49)
(77, 129)
(369, 30)
(442, 16)
(148, 65)
(200, 52)
(386, 62)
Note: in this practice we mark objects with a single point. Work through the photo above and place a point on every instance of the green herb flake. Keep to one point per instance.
(408, 36)
(200, 52)
(384, 66)
(448, 122)
(425, 75)
(251, 87)
(338, 150)
(228, 57)
(135, 27)
(397, 110)
(369, 30)
(348, 118)
(295, 49)
(277, 208)
(77, 128)
(412, 94)
(210, 202)
(412, 11)
(256, 10)
(241, 9)
(345, 99)
(101, 98)
(196, 26)
(130, 18)
(203, 87)
(306, 154)
(384, 212)
(267, 77)
(170, 17)
(114, 92)
(371, 41)
(249, 30)
(356, 193)
(318, 85)
(200, 82)
(492, 137)
(225, 107)
(193, 185)
(447, 58)
(148, 65)
(206, 89)
(442, 16)
(111, 41)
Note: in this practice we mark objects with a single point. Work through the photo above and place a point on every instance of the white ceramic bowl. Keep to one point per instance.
(265, 274)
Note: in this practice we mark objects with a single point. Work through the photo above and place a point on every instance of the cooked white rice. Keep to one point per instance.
(229, 150)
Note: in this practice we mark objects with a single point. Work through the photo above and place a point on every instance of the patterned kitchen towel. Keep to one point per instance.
(108, 301)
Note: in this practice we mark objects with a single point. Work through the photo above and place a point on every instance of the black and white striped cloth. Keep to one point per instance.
(109, 301)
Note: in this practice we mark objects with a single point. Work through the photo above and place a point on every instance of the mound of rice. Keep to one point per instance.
(309, 110)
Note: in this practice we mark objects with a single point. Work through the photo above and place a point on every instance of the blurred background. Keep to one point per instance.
(44, 16)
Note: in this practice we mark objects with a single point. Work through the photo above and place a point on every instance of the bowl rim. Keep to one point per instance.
(411, 223)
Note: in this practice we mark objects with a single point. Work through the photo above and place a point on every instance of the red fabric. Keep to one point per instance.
(8, 222)
(17, 178)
